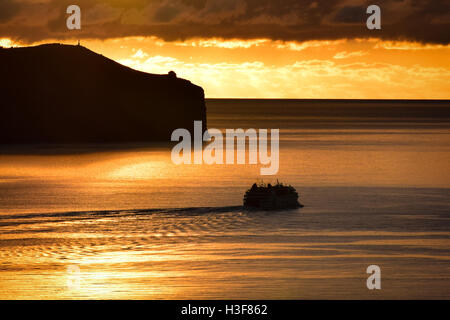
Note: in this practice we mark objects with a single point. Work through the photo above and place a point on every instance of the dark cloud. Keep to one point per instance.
(301, 20)
(166, 13)
(350, 14)
(198, 4)
(8, 9)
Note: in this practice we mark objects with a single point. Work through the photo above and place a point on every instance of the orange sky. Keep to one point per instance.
(346, 69)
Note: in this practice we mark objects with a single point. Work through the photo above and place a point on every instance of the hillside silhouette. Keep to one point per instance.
(57, 93)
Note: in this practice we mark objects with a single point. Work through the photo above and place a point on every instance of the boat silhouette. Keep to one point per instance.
(268, 197)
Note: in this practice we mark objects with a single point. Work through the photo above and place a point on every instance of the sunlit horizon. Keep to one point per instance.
(264, 68)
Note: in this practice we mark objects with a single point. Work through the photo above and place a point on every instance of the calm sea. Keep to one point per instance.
(122, 222)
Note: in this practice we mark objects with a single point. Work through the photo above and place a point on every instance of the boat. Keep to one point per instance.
(271, 197)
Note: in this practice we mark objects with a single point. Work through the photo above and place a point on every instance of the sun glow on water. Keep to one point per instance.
(144, 170)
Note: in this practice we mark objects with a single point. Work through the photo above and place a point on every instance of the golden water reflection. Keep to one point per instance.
(370, 198)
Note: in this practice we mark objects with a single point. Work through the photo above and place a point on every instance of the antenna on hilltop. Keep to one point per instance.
(78, 42)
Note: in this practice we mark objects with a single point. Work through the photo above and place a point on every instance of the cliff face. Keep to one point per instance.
(68, 94)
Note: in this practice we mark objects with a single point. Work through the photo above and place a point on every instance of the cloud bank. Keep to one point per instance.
(178, 20)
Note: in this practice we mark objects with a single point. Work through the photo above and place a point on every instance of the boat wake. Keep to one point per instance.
(188, 211)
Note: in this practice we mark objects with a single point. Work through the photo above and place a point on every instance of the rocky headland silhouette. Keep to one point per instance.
(56, 93)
